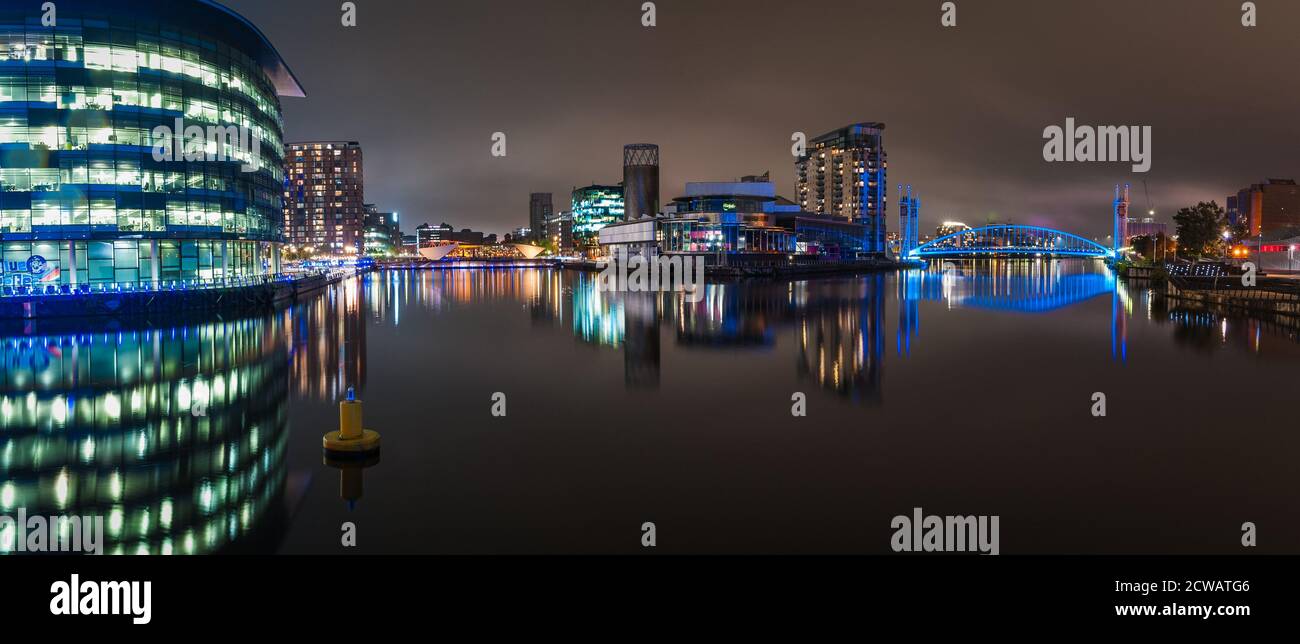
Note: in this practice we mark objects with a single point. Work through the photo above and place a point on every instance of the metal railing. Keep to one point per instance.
(160, 286)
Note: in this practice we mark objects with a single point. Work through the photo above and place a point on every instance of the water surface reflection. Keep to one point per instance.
(965, 390)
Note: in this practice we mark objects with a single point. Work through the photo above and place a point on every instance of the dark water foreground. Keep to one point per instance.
(966, 395)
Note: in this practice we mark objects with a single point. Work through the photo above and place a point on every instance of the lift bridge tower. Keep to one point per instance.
(909, 221)
(1120, 240)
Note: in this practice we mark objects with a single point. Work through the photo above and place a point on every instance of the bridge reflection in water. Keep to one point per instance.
(176, 437)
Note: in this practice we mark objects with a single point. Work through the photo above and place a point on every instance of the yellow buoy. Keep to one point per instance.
(351, 437)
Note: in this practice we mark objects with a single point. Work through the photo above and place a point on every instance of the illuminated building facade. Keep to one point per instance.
(427, 235)
(727, 217)
(1271, 208)
(559, 233)
(84, 198)
(383, 234)
(950, 227)
(735, 218)
(324, 197)
(594, 207)
(842, 174)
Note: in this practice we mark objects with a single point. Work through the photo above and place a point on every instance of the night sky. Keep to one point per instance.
(721, 85)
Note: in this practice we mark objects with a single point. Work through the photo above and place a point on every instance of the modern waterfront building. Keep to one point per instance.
(1271, 208)
(383, 234)
(634, 238)
(558, 233)
(727, 217)
(594, 207)
(93, 190)
(445, 233)
(737, 220)
(324, 197)
(1277, 254)
(540, 209)
(640, 180)
(427, 235)
(842, 174)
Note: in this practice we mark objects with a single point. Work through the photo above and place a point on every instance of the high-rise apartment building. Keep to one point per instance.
(324, 196)
(842, 174)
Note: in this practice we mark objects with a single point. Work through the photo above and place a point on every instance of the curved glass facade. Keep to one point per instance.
(84, 198)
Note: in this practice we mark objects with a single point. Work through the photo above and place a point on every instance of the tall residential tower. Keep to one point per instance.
(842, 174)
(324, 196)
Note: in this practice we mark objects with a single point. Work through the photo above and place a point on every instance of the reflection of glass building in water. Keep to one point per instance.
(83, 196)
(176, 437)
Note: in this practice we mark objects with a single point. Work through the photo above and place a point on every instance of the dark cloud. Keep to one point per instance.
(722, 84)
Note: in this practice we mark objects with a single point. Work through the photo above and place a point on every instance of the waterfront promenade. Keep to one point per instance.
(149, 298)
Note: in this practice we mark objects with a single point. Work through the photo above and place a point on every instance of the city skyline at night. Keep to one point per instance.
(353, 299)
(569, 93)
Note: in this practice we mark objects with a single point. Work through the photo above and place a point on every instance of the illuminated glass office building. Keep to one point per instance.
(92, 188)
(594, 207)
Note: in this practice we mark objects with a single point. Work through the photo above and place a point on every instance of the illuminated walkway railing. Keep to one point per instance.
(161, 286)
(1010, 240)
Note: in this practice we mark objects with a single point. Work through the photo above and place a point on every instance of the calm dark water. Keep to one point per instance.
(966, 394)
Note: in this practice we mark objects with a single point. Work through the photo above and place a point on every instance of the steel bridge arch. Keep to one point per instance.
(1010, 239)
